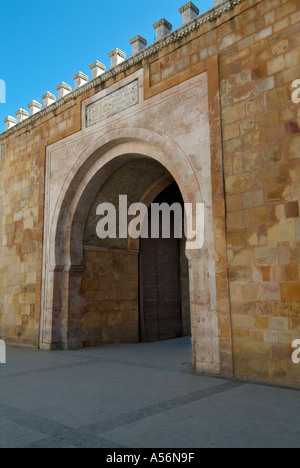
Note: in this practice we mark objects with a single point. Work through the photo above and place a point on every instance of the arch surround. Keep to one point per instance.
(75, 170)
(63, 249)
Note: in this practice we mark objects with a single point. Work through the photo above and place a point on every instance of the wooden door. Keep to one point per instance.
(160, 288)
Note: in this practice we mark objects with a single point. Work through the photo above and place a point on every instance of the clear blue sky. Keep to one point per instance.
(43, 43)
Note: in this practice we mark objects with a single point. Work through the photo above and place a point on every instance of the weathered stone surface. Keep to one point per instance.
(210, 106)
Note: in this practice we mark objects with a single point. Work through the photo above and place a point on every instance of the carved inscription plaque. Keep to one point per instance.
(112, 104)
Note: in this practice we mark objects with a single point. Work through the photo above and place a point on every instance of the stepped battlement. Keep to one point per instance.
(140, 50)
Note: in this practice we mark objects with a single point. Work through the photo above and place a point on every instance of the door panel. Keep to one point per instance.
(160, 288)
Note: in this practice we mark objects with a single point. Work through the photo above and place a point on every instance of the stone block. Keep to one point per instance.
(283, 232)
(282, 192)
(255, 106)
(237, 219)
(281, 351)
(290, 291)
(270, 336)
(292, 210)
(243, 237)
(244, 43)
(287, 337)
(233, 145)
(234, 203)
(285, 273)
(291, 58)
(266, 255)
(279, 25)
(240, 275)
(279, 323)
(265, 309)
(249, 292)
(252, 139)
(241, 258)
(238, 183)
(275, 65)
(30, 278)
(266, 273)
(264, 85)
(287, 309)
(261, 323)
(263, 33)
(256, 336)
(262, 178)
(259, 215)
(295, 324)
(272, 153)
(242, 321)
(267, 119)
(168, 72)
(252, 199)
(269, 292)
(276, 97)
(229, 40)
(246, 160)
(235, 112)
(289, 253)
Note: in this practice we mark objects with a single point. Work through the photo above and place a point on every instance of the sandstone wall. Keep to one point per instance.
(22, 180)
(258, 60)
(252, 54)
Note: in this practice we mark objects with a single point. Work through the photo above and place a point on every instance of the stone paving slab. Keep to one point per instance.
(136, 396)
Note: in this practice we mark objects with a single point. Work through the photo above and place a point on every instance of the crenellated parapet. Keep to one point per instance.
(191, 21)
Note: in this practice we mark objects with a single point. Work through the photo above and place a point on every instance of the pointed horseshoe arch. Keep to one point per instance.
(64, 232)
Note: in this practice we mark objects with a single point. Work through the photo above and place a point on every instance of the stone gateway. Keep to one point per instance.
(205, 115)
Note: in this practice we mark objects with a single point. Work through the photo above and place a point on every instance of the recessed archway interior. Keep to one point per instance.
(118, 273)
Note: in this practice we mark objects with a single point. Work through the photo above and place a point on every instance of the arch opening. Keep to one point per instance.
(120, 279)
(164, 276)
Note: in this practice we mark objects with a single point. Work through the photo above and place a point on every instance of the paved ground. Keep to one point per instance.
(136, 396)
